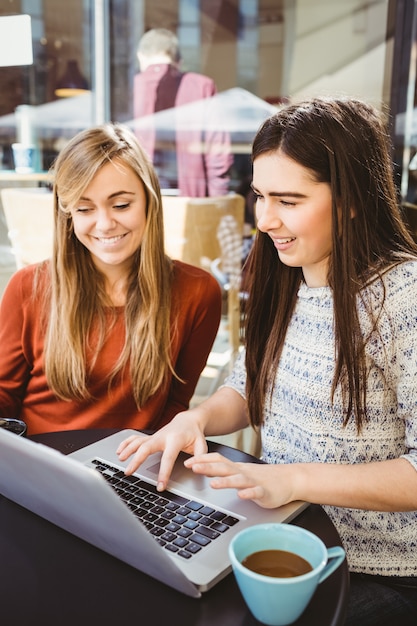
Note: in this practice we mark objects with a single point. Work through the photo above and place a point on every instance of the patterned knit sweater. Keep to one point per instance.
(302, 425)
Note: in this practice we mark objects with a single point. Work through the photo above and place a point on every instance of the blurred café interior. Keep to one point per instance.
(260, 53)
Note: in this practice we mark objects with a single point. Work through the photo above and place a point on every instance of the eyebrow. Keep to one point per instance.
(112, 195)
(281, 194)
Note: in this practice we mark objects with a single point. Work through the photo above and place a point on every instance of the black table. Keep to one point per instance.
(50, 577)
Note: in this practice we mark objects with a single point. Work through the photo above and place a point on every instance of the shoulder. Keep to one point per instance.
(26, 278)
(405, 269)
(393, 278)
(145, 77)
(400, 279)
(194, 282)
(205, 83)
(192, 275)
(27, 284)
(200, 77)
(393, 293)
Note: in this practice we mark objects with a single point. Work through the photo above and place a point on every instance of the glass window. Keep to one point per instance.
(259, 53)
(47, 102)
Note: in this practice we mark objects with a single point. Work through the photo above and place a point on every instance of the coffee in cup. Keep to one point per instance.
(278, 568)
(279, 563)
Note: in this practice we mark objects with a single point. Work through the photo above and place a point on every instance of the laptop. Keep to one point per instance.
(179, 537)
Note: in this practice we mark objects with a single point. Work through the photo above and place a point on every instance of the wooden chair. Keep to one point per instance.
(29, 219)
(208, 233)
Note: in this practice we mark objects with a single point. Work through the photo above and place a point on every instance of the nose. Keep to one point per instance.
(267, 216)
(105, 220)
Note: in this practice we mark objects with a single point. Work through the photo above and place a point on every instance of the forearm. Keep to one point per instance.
(382, 486)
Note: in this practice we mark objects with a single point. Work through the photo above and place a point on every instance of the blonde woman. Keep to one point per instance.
(110, 332)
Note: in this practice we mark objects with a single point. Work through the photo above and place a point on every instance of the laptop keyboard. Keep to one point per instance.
(182, 526)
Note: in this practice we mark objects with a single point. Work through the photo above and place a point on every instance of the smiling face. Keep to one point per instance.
(110, 218)
(296, 212)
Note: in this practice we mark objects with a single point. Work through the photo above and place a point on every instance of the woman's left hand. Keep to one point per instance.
(264, 484)
(378, 486)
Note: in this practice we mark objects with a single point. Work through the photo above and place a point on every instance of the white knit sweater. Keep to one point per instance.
(301, 425)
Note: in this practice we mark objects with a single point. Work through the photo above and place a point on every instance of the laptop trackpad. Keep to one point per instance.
(182, 475)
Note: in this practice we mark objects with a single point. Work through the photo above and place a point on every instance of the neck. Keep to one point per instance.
(116, 288)
(159, 59)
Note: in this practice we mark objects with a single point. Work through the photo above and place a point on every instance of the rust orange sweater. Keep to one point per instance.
(24, 392)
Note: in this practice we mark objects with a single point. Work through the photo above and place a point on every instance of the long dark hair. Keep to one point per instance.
(343, 142)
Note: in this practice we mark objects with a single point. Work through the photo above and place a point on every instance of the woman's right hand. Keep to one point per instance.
(182, 434)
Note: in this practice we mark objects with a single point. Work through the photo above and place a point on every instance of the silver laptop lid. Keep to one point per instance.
(211, 565)
(66, 491)
(78, 499)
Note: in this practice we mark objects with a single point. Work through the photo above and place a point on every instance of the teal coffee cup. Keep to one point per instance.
(280, 594)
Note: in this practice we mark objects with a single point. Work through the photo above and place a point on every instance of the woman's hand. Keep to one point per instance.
(379, 486)
(267, 485)
(222, 413)
(183, 433)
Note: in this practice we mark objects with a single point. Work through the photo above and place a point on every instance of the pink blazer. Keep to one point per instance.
(201, 172)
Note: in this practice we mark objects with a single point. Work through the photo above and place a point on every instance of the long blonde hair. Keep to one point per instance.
(77, 303)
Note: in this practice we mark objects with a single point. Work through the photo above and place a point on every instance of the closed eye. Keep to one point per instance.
(282, 202)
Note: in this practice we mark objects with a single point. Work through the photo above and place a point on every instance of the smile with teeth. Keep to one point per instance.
(284, 240)
(109, 240)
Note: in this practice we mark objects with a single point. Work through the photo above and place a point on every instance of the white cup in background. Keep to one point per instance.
(24, 157)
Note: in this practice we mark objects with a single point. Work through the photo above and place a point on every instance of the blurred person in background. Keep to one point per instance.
(195, 160)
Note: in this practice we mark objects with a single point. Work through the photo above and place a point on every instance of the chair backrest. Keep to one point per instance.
(192, 226)
(201, 231)
(29, 219)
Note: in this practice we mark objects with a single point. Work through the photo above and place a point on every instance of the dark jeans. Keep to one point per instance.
(382, 601)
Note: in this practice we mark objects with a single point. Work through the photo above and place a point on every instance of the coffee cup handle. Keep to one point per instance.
(335, 557)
